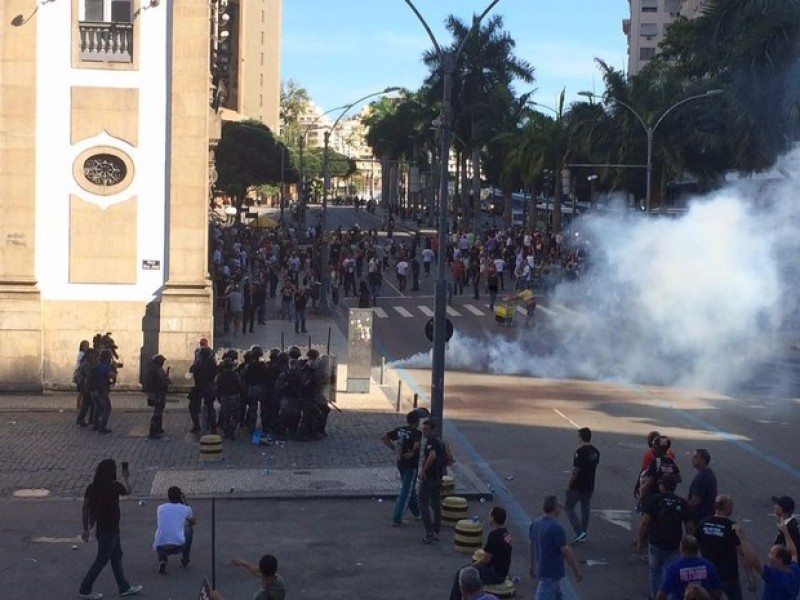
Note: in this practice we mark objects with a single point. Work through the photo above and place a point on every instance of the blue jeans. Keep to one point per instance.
(659, 559)
(102, 403)
(299, 320)
(184, 550)
(108, 549)
(407, 497)
(549, 589)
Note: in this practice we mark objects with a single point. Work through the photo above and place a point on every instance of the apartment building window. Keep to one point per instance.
(648, 29)
(105, 31)
(260, 100)
(649, 6)
(262, 38)
(646, 53)
(261, 79)
(262, 59)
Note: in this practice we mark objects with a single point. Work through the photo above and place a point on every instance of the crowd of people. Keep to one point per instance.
(693, 547)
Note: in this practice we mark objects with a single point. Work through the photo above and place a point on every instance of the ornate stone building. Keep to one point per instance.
(104, 169)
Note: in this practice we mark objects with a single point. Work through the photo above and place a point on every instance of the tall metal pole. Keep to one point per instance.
(649, 193)
(283, 169)
(650, 131)
(447, 60)
(440, 289)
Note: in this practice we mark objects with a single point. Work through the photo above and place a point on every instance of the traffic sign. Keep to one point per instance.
(448, 330)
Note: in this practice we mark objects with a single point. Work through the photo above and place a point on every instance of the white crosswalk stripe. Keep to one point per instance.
(475, 311)
(380, 313)
(453, 312)
(403, 312)
(426, 310)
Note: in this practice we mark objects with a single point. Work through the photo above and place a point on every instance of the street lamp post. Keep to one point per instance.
(447, 63)
(324, 307)
(650, 131)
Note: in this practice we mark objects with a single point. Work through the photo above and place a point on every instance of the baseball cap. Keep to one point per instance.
(785, 502)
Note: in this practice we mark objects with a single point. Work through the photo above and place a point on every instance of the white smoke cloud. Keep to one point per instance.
(695, 301)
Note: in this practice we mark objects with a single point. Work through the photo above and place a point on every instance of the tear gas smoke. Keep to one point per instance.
(695, 301)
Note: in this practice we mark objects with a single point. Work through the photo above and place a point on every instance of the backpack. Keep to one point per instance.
(444, 457)
(79, 376)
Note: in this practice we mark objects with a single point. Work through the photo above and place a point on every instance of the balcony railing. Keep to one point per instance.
(106, 42)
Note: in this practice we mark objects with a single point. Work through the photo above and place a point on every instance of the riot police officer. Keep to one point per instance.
(204, 370)
(228, 389)
(255, 378)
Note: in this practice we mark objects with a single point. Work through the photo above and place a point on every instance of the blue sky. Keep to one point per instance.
(340, 50)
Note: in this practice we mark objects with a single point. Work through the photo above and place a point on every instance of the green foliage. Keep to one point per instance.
(247, 155)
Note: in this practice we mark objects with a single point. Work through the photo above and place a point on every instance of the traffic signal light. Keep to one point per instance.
(308, 193)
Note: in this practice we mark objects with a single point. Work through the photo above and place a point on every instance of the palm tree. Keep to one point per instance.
(482, 84)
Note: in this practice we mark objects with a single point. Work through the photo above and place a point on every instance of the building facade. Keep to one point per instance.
(104, 166)
(254, 89)
(648, 25)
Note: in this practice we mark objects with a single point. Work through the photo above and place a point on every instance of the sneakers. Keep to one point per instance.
(132, 591)
(91, 596)
(580, 538)
(429, 538)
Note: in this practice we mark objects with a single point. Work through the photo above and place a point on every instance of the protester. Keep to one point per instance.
(174, 529)
(101, 511)
(272, 585)
(548, 553)
(405, 443)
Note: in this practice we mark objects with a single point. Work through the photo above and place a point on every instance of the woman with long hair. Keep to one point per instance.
(101, 511)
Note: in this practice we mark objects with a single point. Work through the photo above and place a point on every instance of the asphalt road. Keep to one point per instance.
(519, 432)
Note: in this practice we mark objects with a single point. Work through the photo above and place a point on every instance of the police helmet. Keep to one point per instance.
(283, 358)
(294, 352)
(273, 353)
(227, 363)
(312, 354)
(232, 354)
(159, 359)
(256, 352)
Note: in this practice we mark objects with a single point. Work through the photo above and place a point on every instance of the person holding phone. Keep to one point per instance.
(101, 511)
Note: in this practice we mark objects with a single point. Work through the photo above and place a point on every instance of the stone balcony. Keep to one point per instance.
(106, 42)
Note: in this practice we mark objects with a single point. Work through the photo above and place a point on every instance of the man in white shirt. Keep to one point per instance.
(402, 274)
(174, 530)
(427, 259)
(500, 265)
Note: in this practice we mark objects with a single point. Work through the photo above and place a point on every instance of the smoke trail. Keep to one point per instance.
(692, 301)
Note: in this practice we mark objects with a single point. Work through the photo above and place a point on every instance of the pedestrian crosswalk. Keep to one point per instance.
(461, 310)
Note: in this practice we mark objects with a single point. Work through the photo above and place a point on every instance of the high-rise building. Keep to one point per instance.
(104, 167)
(254, 88)
(648, 24)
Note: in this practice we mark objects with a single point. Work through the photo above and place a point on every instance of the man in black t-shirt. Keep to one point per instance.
(101, 510)
(581, 484)
(666, 517)
(494, 561)
(703, 489)
(430, 483)
(405, 442)
(720, 544)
